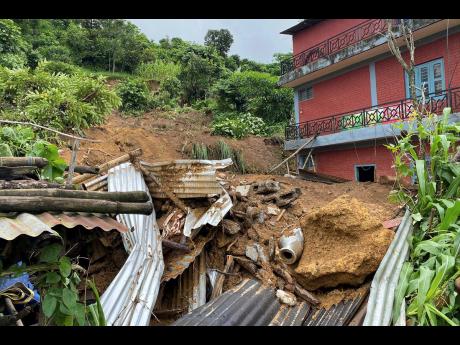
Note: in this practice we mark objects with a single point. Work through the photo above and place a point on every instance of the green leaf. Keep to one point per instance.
(453, 188)
(420, 167)
(49, 305)
(456, 247)
(450, 216)
(65, 266)
(401, 289)
(69, 298)
(441, 274)
(52, 278)
(65, 310)
(417, 217)
(422, 288)
(444, 317)
(50, 253)
(80, 314)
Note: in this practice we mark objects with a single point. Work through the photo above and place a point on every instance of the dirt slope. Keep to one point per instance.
(165, 135)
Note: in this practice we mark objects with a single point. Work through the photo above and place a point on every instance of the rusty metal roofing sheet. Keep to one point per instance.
(213, 215)
(177, 262)
(130, 298)
(187, 178)
(248, 304)
(88, 220)
(22, 224)
(35, 224)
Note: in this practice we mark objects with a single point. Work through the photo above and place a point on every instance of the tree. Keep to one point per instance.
(221, 40)
(13, 47)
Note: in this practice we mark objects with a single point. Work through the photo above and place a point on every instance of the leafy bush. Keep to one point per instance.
(158, 70)
(257, 93)
(427, 279)
(21, 141)
(199, 151)
(64, 102)
(134, 94)
(55, 67)
(13, 47)
(239, 125)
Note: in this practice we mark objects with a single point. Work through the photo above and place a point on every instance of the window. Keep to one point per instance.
(431, 76)
(305, 93)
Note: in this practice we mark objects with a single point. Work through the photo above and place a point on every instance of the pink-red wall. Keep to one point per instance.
(351, 90)
(320, 32)
(390, 75)
(346, 92)
(342, 163)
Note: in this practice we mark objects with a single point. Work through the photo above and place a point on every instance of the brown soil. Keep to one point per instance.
(111, 266)
(329, 298)
(344, 243)
(164, 136)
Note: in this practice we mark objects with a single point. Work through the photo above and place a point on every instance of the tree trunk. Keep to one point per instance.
(30, 184)
(79, 194)
(49, 204)
(38, 162)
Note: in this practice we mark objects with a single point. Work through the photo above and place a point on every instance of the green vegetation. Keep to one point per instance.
(427, 279)
(53, 72)
(220, 150)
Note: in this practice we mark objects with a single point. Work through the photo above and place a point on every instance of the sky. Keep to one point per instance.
(254, 39)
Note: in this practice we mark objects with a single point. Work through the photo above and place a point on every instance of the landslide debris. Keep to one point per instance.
(343, 245)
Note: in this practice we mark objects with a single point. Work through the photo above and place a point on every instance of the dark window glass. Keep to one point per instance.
(306, 93)
(437, 70)
(438, 86)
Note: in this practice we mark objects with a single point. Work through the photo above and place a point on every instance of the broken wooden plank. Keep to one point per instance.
(136, 196)
(217, 290)
(38, 162)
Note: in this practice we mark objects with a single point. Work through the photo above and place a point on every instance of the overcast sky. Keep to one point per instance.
(254, 39)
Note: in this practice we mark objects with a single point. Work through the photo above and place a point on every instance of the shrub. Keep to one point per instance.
(64, 102)
(238, 125)
(257, 93)
(199, 151)
(55, 67)
(158, 70)
(134, 94)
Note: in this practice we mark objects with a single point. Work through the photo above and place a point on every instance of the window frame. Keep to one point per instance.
(431, 79)
(306, 89)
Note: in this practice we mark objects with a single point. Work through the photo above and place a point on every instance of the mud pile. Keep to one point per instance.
(343, 245)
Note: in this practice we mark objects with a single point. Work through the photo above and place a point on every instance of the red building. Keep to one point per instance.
(349, 89)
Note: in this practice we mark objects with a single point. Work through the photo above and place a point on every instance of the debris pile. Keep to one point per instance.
(343, 245)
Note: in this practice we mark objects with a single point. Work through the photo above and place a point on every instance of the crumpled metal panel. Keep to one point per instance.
(212, 216)
(187, 178)
(248, 304)
(381, 297)
(177, 262)
(130, 298)
(35, 224)
(23, 224)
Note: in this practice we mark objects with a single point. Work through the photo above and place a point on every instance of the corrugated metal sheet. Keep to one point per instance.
(338, 315)
(130, 298)
(22, 224)
(88, 220)
(35, 224)
(381, 298)
(188, 291)
(177, 262)
(249, 304)
(187, 178)
(213, 216)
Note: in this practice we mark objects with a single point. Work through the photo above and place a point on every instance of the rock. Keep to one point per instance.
(231, 227)
(264, 187)
(243, 190)
(260, 250)
(345, 245)
(273, 210)
(253, 235)
(286, 297)
(252, 252)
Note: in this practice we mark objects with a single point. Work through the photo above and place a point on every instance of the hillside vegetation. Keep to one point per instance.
(55, 72)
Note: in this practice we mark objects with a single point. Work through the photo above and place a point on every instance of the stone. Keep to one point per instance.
(252, 252)
(286, 297)
(243, 190)
(231, 227)
(273, 210)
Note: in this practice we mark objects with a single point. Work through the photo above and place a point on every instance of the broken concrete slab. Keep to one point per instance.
(252, 252)
(243, 190)
(273, 210)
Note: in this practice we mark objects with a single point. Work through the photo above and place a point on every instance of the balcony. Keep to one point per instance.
(384, 113)
(348, 44)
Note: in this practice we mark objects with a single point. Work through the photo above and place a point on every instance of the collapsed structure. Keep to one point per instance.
(188, 237)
